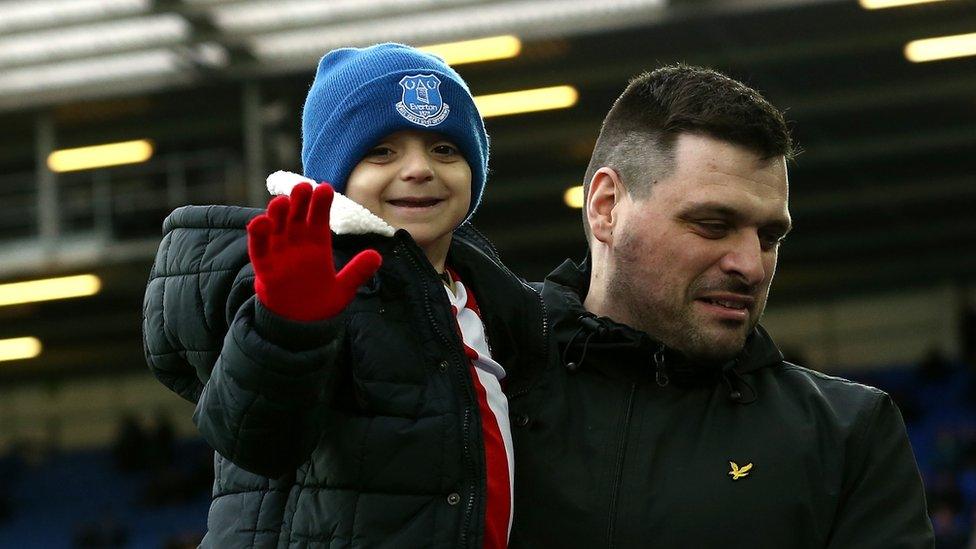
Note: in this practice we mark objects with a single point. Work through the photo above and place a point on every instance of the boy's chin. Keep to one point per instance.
(429, 240)
(426, 233)
(424, 237)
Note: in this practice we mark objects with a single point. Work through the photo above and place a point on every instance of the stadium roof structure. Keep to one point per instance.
(883, 195)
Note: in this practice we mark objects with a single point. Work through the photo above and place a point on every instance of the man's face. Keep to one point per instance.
(692, 262)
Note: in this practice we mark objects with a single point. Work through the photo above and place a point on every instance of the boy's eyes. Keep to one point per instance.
(445, 149)
(381, 151)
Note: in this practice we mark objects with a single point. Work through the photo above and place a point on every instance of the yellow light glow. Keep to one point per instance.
(48, 289)
(19, 348)
(100, 156)
(573, 197)
(943, 47)
(881, 4)
(517, 102)
(475, 51)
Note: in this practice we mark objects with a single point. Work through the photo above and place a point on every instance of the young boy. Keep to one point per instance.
(360, 408)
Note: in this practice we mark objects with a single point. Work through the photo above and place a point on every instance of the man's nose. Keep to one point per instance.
(745, 259)
(416, 167)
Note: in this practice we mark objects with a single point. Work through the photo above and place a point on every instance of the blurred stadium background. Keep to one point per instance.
(877, 282)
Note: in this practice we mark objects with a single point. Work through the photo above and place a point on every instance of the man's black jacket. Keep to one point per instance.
(622, 443)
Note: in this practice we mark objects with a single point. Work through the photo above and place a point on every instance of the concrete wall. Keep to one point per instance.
(867, 332)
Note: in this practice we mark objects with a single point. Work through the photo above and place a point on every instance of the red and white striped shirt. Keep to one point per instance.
(493, 405)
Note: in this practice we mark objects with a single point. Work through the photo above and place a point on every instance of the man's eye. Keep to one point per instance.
(713, 228)
(771, 240)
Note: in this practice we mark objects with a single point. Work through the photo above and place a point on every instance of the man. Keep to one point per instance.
(668, 417)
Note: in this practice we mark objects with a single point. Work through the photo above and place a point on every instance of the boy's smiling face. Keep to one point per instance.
(418, 181)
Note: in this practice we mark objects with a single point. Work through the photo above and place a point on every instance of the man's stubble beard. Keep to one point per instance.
(670, 323)
(673, 326)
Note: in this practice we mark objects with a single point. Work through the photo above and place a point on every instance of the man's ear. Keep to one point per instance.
(606, 190)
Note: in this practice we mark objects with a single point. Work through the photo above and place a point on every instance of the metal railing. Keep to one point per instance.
(108, 209)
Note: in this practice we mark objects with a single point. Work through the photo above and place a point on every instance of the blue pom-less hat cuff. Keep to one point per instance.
(376, 109)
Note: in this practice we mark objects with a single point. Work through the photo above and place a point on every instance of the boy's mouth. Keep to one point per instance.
(412, 202)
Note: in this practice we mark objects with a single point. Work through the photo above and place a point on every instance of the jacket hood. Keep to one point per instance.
(637, 356)
(346, 215)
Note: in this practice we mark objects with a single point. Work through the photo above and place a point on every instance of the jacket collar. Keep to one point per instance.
(346, 215)
(580, 334)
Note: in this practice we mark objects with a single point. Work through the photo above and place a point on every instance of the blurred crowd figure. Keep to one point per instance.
(951, 478)
(107, 532)
(140, 447)
(10, 468)
(938, 401)
(151, 447)
(147, 450)
(183, 540)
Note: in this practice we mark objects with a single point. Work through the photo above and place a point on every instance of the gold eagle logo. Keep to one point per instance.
(738, 472)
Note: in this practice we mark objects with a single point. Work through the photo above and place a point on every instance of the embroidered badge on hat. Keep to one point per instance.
(421, 102)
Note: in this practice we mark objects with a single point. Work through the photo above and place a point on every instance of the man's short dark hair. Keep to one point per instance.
(638, 135)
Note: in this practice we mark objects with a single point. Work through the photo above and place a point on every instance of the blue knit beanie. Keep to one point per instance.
(361, 95)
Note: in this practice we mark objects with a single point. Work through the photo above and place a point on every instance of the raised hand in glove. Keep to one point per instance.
(291, 249)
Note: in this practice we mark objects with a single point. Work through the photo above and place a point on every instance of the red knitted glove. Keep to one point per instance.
(291, 249)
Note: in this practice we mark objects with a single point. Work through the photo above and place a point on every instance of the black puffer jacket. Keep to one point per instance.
(361, 431)
(632, 446)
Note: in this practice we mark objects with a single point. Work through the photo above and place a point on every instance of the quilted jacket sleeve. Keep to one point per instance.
(200, 277)
(269, 388)
(883, 503)
(256, 378)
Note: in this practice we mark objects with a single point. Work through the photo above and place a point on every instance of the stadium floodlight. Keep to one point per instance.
(49, 289)
(126, 66)
(573, 197)
(246, 17)
(476, 51)
(33, 14)
(524, 101)
(19, 348)
(100, 156)
(882, 4)
(525, 18)
(93, 39)
(942, 47)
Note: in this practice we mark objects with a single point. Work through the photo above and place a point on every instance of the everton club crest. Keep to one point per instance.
(421, 102)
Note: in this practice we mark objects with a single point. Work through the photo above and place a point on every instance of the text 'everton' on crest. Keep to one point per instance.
(421, 101)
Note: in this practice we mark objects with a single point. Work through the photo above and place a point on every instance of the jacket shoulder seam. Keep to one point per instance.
(248, 491)
(168, 353)
(191, 273)
(788, 366)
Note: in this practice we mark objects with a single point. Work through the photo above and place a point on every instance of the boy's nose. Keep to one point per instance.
(416, 167)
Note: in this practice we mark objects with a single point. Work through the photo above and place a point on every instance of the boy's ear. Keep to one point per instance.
(606, 190)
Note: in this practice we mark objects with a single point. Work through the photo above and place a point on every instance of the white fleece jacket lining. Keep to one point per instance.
(346, 216)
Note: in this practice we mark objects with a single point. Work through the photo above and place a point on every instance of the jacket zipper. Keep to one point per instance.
(475, 234)
(660, 370)
(465, 382)
(545, 339)
(618, 467)
(472, 234)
